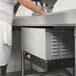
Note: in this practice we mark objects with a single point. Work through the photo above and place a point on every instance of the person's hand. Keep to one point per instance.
(43, 13)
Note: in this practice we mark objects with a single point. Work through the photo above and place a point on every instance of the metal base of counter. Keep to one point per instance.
(47, 65)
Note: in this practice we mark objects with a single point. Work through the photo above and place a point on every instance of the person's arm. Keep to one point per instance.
(29, 4)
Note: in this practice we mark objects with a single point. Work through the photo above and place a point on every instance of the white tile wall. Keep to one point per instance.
(15, 61)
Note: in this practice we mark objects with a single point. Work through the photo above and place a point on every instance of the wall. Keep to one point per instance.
(15, 61)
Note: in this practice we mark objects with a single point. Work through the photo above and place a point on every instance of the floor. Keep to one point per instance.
(14, 74)
(54, 73)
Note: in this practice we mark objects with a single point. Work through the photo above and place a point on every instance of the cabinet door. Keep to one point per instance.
(33, 41)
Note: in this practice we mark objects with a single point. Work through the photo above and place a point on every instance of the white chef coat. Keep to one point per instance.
(6, 16)
(62, 5)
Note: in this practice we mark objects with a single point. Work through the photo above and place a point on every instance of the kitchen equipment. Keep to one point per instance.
(49, 48)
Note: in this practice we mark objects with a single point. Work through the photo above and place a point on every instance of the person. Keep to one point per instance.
(20, 10)
(6, 18)
(64, 5)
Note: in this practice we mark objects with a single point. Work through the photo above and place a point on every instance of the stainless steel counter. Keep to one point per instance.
(67, 18)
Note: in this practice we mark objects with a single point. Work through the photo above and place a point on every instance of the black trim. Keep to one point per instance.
(51, 64)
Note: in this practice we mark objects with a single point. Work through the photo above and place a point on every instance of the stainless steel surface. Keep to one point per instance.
(53, 19)
(48, 43)
(59, 43)
(22, 64)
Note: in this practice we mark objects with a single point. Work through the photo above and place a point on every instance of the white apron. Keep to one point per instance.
(62, 5)
(6, 16)
(23, 11)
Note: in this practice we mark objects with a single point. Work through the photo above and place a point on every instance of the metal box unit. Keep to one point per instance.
(52, 44)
